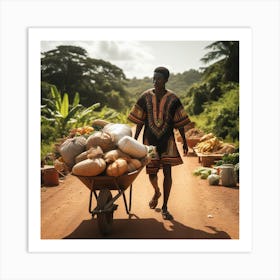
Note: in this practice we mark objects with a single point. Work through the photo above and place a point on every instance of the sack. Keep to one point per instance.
(99, 123)
(133, 164)
(101, 139)
(70, 148)
(132, 147)
(117, 131)
(93, 152)
(113, 155)
(117, 168)
(89, 167)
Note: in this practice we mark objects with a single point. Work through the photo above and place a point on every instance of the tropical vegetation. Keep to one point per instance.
(76, 89)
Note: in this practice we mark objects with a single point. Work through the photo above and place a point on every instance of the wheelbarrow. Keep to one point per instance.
(105, 201)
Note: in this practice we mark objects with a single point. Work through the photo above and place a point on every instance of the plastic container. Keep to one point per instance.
(227, 175)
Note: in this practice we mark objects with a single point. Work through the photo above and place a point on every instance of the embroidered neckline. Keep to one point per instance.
(158, 114)
(159, 123)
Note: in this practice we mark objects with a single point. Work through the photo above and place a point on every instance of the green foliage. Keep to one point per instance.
(226, 123)
(232, 158)
(221, 116)
(62, 116)
(227, 54)
(111, 115)
(179, 83)
(198, 94)
(71, 70)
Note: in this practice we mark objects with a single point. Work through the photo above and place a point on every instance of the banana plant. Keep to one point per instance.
(59, 113)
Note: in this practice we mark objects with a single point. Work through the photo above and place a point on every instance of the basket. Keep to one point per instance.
(192, 142)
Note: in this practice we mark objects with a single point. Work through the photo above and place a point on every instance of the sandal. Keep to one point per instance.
(153, 203)
(166, 215)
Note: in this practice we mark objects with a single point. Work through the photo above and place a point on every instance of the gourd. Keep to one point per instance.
(133, 164)
(204, 174)
(117, 168)
(89, 167)
(113, 155)
(213, 179)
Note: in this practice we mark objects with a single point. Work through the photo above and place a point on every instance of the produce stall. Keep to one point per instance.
(210, 149)
(208, 160)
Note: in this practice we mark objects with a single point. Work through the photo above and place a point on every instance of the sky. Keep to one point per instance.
(139, 58)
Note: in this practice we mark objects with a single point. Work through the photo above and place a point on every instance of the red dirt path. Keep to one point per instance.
(200, 211)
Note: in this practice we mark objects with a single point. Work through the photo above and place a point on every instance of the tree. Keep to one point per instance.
(227, 124)
(226, 53)
(71, 70)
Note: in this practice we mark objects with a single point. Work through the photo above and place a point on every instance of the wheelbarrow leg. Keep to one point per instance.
(127, 207)
(104, 218)
(130, 197)
(90, 202)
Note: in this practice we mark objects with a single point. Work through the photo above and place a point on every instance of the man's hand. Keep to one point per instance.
(185, 145)
(185, 148)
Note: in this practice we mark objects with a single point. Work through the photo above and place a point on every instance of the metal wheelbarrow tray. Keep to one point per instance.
(105, 201)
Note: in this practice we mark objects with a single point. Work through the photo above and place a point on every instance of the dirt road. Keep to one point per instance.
(200, 211)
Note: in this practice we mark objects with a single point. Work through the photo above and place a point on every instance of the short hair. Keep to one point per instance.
(162, 70)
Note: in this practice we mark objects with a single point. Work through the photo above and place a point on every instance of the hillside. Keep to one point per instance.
(179, 83)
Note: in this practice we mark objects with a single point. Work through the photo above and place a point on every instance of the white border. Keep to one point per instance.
(36, 35)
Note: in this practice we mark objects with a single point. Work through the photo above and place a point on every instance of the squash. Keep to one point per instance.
(133, 164)
(113, 155)
(117, 168)
(213, 179)
(89, 167)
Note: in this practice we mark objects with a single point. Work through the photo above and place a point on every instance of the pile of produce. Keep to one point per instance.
(232, 158)
(208, 173)
(111, 151)
(204, 172)
(209, 143)
(86, 131)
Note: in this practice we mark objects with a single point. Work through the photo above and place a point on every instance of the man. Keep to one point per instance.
(160, 111)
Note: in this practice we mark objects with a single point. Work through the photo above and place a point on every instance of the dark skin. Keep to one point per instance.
(159, 82)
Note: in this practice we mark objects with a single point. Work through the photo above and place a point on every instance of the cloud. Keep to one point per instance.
(139, 58)
(135, 58)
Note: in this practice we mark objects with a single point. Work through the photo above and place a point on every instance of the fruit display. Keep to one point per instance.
(85, 130)
(209, 143)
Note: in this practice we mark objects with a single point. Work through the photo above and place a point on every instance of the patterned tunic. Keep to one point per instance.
(159, 122)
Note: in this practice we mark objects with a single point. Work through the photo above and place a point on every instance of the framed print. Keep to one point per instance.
(217, 232)
(137, 52)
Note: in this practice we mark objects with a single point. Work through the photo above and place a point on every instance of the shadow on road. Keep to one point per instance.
(144, 229)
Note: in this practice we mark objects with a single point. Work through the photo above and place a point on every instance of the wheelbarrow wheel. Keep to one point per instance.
(104, 219)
